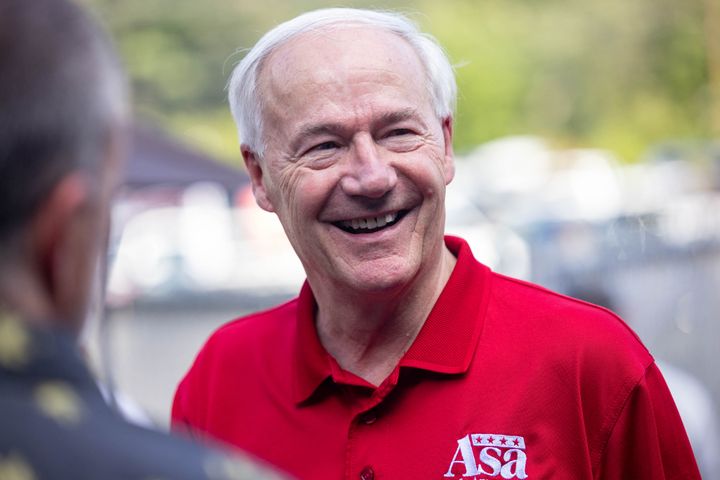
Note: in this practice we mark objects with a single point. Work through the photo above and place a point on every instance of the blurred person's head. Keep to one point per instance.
(62, 123)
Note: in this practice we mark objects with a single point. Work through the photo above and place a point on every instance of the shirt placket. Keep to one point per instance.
(360, 462)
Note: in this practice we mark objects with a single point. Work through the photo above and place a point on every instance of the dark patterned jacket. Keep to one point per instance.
(54, 423)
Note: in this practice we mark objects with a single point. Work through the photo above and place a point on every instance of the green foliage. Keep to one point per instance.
(598, 73)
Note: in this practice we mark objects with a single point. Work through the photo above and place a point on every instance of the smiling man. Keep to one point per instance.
(403, 357)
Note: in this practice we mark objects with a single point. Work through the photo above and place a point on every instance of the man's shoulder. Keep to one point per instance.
(224, 375)
(566, 321)
(249, 339)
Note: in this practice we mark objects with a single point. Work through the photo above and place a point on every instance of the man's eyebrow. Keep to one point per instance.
(321, 129)
(396, 116)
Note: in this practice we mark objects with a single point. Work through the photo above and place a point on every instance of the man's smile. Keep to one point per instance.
(372, 223)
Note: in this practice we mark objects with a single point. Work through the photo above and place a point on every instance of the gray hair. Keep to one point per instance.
(62, 95)
(245, 102)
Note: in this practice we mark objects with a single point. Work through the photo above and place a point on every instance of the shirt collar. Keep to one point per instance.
(446, 343)
(311, 360)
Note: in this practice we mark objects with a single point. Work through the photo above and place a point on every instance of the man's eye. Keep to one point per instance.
(401, 139)
(324, 146)
(399, 132)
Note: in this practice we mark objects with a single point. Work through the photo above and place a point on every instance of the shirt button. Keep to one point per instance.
(369, 417)
(367, 473)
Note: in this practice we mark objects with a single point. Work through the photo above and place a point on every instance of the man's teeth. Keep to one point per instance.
(370, 222)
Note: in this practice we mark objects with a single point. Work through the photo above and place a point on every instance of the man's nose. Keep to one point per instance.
(369, 173)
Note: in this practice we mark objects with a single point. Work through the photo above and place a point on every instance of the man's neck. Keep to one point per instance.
(369, 337)
(20, 293)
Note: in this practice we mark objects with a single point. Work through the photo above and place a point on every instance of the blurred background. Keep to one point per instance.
(588, 150)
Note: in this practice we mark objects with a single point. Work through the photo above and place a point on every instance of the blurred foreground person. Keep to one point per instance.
(62, 122)
(403, 357)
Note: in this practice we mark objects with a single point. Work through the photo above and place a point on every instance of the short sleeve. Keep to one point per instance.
(648, 440)
(179, 420)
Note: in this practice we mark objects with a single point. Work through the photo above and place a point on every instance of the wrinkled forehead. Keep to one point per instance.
(337, 55)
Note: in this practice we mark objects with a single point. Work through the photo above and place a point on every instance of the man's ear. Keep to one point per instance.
(449, 157)
(65, 234)
(56, 212)
(255, 170)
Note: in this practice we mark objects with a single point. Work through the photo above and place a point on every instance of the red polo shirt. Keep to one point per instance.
(505, 380)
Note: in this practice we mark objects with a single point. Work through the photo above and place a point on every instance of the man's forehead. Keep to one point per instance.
(336, 50)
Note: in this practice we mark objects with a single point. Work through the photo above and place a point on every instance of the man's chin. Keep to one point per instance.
(380, 277)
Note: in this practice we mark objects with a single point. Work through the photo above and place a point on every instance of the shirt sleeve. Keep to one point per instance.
(182, 418)
(648, 440)
(178, 418)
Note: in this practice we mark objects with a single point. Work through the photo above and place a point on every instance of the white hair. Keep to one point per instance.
(245, 102)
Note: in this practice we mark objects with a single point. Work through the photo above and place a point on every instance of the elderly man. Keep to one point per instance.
(403, 357)
(62, 122)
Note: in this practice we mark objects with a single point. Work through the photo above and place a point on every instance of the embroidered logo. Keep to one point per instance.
(489, 455)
